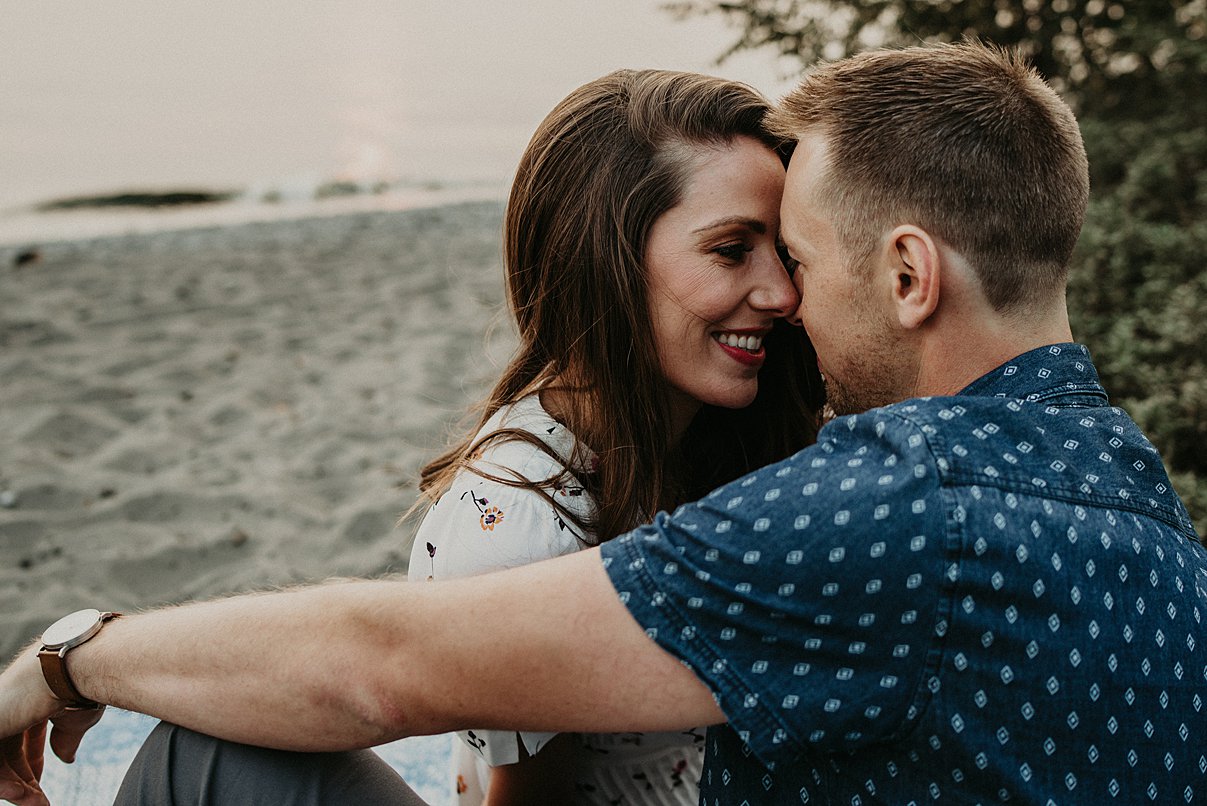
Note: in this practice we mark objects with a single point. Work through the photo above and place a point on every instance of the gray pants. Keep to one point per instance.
(178, 767)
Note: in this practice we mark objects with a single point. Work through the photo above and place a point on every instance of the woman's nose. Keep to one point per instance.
(775, 291)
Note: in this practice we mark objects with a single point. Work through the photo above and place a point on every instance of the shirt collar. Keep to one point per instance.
(1060, 373)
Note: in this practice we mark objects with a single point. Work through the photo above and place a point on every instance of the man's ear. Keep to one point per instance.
(916, 263)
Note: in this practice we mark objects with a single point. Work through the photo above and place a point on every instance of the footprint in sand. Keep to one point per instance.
(143, 462)
(52, 498)
(31, 334)
(68, 434)
(371, 525)
(176, 573)
(26, 544)
(162, 507)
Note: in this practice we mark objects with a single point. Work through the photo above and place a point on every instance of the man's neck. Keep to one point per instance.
(952, 360)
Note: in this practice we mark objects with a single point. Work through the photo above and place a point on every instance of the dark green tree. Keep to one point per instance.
(1136, 74)
(1132, 56)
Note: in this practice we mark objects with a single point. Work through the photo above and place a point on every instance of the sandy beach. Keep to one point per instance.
(184, 414)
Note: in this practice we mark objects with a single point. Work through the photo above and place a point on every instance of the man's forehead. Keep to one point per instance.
(800, 205)
(808, 163)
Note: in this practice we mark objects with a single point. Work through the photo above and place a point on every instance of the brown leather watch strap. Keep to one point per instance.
(54, 669)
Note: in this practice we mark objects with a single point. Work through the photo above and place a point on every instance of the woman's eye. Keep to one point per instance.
(733, 252)
(790, 263)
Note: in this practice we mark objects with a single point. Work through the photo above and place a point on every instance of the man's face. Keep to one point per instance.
(844, 309)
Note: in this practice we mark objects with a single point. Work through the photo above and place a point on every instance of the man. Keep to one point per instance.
(987, 592)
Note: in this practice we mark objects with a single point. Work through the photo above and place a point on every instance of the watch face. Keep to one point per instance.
(72, 626)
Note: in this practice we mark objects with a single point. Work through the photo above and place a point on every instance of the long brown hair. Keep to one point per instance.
(601, 168)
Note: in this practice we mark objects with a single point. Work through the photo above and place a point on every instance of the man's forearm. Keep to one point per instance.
(293, 669)
(343, 665)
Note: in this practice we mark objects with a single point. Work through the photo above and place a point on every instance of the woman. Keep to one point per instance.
(654, 363)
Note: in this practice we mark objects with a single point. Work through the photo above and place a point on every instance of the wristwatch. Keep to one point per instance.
(60, 638)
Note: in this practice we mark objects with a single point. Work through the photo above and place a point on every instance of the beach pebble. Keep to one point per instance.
(8, 499)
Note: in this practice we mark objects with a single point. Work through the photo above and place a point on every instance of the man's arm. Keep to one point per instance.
(547, 646)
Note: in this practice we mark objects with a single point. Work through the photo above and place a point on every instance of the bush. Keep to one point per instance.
(1137, 287)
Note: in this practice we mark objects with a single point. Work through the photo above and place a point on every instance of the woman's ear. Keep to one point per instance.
(916, 262)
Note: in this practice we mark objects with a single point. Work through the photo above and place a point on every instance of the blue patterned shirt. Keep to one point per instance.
(989, 597)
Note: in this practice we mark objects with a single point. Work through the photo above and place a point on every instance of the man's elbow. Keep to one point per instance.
(367, 709)
(396, 710)
(381, 685)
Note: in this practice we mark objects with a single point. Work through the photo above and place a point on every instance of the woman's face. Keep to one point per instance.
(716, 282)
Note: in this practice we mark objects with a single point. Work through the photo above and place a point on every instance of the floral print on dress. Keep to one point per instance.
(431, 553)
(481, 525)
(473, 740)
(677, 772)
(566, 491)
(491, 515)
(563, 489)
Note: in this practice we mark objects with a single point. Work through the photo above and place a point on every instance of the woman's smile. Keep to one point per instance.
(744, 346)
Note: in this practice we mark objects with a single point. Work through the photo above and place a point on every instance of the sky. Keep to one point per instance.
(142, 94)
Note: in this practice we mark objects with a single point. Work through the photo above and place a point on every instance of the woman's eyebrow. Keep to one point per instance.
(752, 223)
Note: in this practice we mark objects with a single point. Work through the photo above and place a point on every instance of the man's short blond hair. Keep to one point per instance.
(965, 141)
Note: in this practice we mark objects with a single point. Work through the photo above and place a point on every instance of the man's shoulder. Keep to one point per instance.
(897, 426)
(1058, 447)
(899, 432)
(886, 446)
(529, 444)
(876, 467)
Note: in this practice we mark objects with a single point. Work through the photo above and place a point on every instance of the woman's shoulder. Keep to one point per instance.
(482, 523)
(559, 451)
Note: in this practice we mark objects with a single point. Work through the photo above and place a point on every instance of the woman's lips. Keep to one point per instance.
(744, 356)
(744, 345)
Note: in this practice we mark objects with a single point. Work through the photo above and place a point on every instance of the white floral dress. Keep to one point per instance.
(481, 525)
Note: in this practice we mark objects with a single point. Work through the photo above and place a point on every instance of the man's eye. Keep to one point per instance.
(733, 252)
(790, 263)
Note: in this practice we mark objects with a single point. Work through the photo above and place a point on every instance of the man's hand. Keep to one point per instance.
(26, 707)
(21, 771)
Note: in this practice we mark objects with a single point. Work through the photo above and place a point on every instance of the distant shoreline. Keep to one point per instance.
(137, 211)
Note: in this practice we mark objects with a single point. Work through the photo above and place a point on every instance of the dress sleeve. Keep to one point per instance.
(480, 526)
(808, 596)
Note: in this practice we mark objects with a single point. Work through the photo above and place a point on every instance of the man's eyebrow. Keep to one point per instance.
(784, 239)
(752, 223)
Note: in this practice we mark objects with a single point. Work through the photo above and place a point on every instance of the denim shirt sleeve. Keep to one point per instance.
(809, 595)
